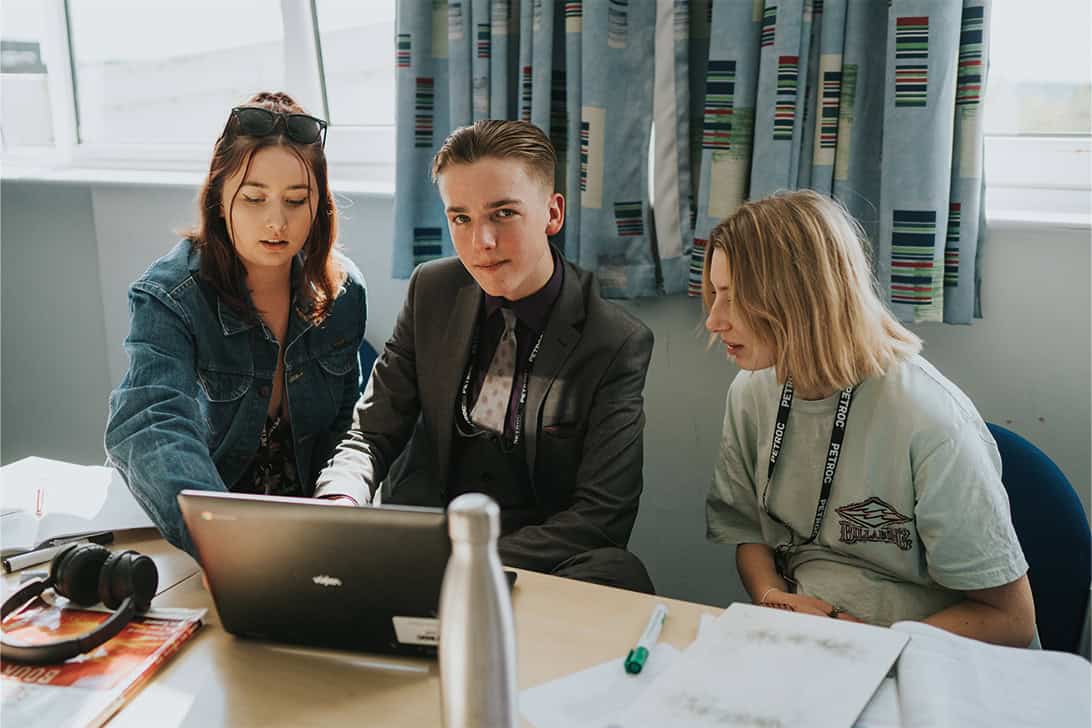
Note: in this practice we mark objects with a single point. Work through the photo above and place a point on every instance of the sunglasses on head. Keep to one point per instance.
(256, 121)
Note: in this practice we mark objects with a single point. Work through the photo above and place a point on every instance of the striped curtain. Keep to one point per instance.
(581, 71)
(874, 102)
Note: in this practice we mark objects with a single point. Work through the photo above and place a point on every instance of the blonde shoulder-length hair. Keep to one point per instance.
(802, 282)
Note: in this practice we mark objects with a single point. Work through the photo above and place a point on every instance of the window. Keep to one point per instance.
(120, 84)
(358, 61)
(26, 117)
(174, 80)
(1037, 121)
(1040, 75)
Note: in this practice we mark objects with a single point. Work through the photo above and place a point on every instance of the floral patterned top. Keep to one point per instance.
(273, 469)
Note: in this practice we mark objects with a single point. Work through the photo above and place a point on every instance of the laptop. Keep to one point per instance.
(308, 572)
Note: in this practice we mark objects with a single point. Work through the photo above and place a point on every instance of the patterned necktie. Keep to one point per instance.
(491, 409)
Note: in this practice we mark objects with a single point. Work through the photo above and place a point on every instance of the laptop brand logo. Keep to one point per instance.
(324, 580)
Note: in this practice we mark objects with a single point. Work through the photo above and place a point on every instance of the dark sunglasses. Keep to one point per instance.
(258, 122)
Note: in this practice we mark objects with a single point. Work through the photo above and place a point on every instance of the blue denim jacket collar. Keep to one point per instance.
(231, 323)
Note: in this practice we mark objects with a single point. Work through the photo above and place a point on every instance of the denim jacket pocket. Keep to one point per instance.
(223, 386)
(338, 363)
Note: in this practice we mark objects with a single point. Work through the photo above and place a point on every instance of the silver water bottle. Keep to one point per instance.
(477, 635)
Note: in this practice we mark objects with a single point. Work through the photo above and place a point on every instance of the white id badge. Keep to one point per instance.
(417, 630)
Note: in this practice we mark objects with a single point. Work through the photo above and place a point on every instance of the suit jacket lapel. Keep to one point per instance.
(561, 335)
(449, 368)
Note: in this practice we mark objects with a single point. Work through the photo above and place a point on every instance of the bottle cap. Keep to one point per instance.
(473, 518)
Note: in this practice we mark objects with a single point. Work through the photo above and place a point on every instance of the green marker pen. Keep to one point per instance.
(636, 658)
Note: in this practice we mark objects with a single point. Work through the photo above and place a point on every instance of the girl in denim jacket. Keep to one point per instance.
(243, 339)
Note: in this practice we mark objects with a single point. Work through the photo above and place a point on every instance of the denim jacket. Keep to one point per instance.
(189, 411)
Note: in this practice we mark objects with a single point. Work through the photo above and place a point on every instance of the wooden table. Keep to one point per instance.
(562, 626)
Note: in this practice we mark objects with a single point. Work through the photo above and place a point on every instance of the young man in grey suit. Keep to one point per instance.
(508, 374)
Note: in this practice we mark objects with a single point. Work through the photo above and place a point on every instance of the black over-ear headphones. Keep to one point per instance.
(86, 573)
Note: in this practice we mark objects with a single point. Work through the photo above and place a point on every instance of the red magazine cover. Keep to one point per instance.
(88, 689)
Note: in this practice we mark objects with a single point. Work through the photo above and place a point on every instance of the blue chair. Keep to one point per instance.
(368, 356)
(1053, 531)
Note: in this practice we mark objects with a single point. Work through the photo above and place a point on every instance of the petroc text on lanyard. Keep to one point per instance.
(834, 451)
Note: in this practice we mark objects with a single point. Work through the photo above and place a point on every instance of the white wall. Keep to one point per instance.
(70, 251)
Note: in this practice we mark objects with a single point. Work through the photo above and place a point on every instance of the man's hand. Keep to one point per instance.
(803, 604)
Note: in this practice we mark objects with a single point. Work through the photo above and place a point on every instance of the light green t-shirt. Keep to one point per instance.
(917, 512)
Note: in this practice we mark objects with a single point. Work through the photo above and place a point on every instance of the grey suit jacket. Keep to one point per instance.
(584, 417)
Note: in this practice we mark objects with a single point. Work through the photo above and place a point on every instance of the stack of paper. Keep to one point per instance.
(755, 666)
(758, 666)
(944, 679)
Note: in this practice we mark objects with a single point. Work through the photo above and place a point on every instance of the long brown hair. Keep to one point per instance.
(220, 263)
(802, 282)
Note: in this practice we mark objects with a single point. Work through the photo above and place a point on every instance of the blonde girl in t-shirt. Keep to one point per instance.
(857, 481)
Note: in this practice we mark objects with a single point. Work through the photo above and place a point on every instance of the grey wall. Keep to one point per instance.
(69, 252)
(53, 376)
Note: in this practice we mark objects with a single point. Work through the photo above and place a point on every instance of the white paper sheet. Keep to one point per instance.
(588, 697)
(944, 679)
(42, 498)
(882, 710)
(761, 666)
(705, 623)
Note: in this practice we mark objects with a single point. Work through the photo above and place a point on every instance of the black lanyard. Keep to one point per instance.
(464, 395)
(837, 434)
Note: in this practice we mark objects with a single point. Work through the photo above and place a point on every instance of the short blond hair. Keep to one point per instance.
(802, 282)
(500, 139)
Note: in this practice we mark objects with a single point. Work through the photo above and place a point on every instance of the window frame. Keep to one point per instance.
(1043, 177)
